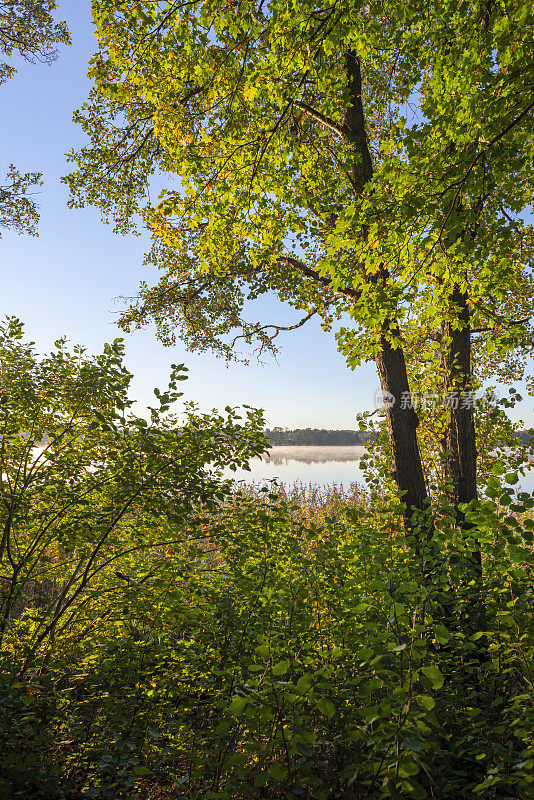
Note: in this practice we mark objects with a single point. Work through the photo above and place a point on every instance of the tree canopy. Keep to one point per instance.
(282, 186)
(29, 32)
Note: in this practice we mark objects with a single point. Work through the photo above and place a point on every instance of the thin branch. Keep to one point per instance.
(345, 291)
(277, 329)
(460, 183)
(334, 126)
(509, 324)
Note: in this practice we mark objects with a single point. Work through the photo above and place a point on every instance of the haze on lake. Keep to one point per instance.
(338, 465)
(324, 465)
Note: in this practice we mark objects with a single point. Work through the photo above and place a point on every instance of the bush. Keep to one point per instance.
(164, 638)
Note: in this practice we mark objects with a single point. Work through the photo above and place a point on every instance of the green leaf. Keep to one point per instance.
(442, 634)
(278, 771)
(326, 707)
(237, 706)
(434, 675)
(425, 701)
(222, 728)
(414, 788)
(476, 636)
(304, 683)
(365, 654)
(261, 779)
(281, 668)
(407, 768)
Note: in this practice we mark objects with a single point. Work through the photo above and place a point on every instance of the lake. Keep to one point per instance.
(322, 465)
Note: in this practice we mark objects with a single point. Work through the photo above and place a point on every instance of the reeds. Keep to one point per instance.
(311, 501)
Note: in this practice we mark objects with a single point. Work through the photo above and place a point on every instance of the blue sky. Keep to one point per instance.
(66, 281)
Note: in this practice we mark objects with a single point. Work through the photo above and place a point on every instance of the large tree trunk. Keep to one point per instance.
(402, 424)
(460, 454)
(459, 442)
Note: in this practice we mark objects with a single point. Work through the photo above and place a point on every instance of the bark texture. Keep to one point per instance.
(459, 442)
(459, 450)
(402, 424)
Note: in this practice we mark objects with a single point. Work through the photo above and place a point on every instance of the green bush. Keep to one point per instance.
(210, 645)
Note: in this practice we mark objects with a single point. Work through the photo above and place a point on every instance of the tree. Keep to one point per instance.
(86, 485)
(27, 31)
(298, 173)
(18, 211)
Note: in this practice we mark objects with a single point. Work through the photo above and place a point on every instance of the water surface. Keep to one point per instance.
(324, 465)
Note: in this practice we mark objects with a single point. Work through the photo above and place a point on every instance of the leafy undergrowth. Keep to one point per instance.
(282, 650)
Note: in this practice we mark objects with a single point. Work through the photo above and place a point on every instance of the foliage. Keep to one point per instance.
(288, 658)
(162, 638)
(497, 438)
(27, 31)
(250, 107)
(85, 484)
(18, 210)
(311, 502)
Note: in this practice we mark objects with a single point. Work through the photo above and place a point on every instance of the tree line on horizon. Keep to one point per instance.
(318, 436)
(321, 437)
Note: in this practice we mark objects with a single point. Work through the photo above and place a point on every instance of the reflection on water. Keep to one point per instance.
(307, 454)
(338, 466)
(322, 465)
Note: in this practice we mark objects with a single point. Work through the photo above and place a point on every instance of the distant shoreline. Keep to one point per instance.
(322, 437)
(318, 437)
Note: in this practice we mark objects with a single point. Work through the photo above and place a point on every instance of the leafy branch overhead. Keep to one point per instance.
(18, 209)
(28, 32)
(321, 152)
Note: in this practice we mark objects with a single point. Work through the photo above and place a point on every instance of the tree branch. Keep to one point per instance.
(324, 120)
(308, 272)
(277, 329)
(509, 324)
(461, 182)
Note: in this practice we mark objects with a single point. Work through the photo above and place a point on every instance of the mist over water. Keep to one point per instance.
(324, 465)
(309, 454)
